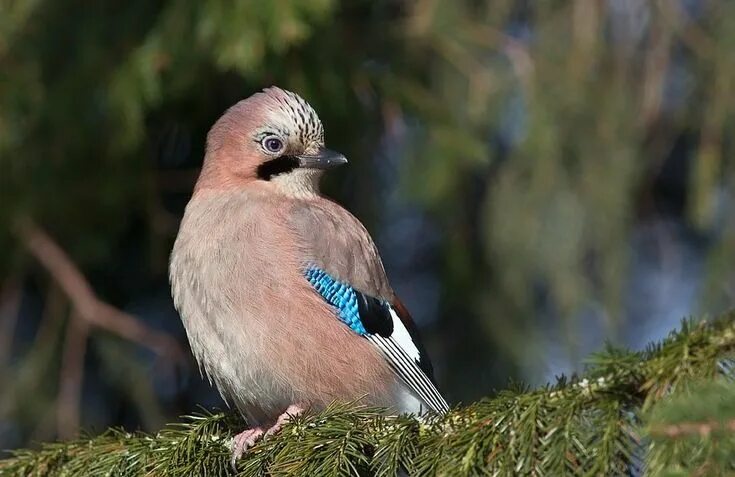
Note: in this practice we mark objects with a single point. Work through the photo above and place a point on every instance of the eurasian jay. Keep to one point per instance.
(282, 292)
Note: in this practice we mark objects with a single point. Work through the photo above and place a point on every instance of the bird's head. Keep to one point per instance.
(274, 137)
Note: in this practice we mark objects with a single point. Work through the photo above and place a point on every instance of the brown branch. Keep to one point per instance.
(71, 378)
(9, 308)
(86, 303)
(685, 429)
(689, 31)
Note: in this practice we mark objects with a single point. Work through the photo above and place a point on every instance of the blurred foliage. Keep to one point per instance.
(692, 432)
(537, 135)
(585, 426)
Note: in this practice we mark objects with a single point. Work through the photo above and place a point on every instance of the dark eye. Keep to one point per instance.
(272, 144)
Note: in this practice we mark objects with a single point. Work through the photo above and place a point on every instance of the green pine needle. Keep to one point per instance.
(681, 389)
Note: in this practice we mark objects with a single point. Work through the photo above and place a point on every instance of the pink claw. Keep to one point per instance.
(247, 438)
(244, 441)
(292, 411)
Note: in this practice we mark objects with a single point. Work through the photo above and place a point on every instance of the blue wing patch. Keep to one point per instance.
(374, 319)
(338, 294)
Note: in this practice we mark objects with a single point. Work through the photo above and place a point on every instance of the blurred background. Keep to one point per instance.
(540, 177)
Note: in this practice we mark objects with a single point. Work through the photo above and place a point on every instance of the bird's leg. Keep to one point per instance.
(243, 441)
(247, 438)
(292, 411)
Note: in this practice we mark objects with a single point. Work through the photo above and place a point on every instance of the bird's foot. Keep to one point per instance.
(244, 441)
(292, 411)
(247, 438)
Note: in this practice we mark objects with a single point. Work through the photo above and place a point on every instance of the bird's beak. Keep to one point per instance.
(323, 159)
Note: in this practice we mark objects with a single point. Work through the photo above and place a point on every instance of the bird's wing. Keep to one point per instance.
(342, 264)
(388, 328)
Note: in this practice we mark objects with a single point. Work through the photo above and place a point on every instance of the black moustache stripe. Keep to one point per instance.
(277, 166)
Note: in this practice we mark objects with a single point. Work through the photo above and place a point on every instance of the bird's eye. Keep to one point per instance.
(272, 144)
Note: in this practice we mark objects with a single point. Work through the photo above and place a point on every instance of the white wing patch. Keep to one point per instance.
(403, 356)
(402, 338)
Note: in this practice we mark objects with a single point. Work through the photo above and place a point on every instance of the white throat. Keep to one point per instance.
(300, 183)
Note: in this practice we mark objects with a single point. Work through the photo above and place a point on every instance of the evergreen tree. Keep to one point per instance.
(534, 139)
(668, 410)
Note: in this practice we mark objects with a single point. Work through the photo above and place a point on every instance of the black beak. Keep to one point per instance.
(323, 159)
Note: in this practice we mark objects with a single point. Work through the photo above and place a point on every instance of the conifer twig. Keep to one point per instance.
(703, 429)
(583, 426)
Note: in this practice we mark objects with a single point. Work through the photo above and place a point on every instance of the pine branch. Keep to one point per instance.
(693, 432)
(683, 429)
(607, 422)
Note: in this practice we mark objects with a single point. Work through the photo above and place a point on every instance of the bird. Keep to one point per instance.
(281, 290)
